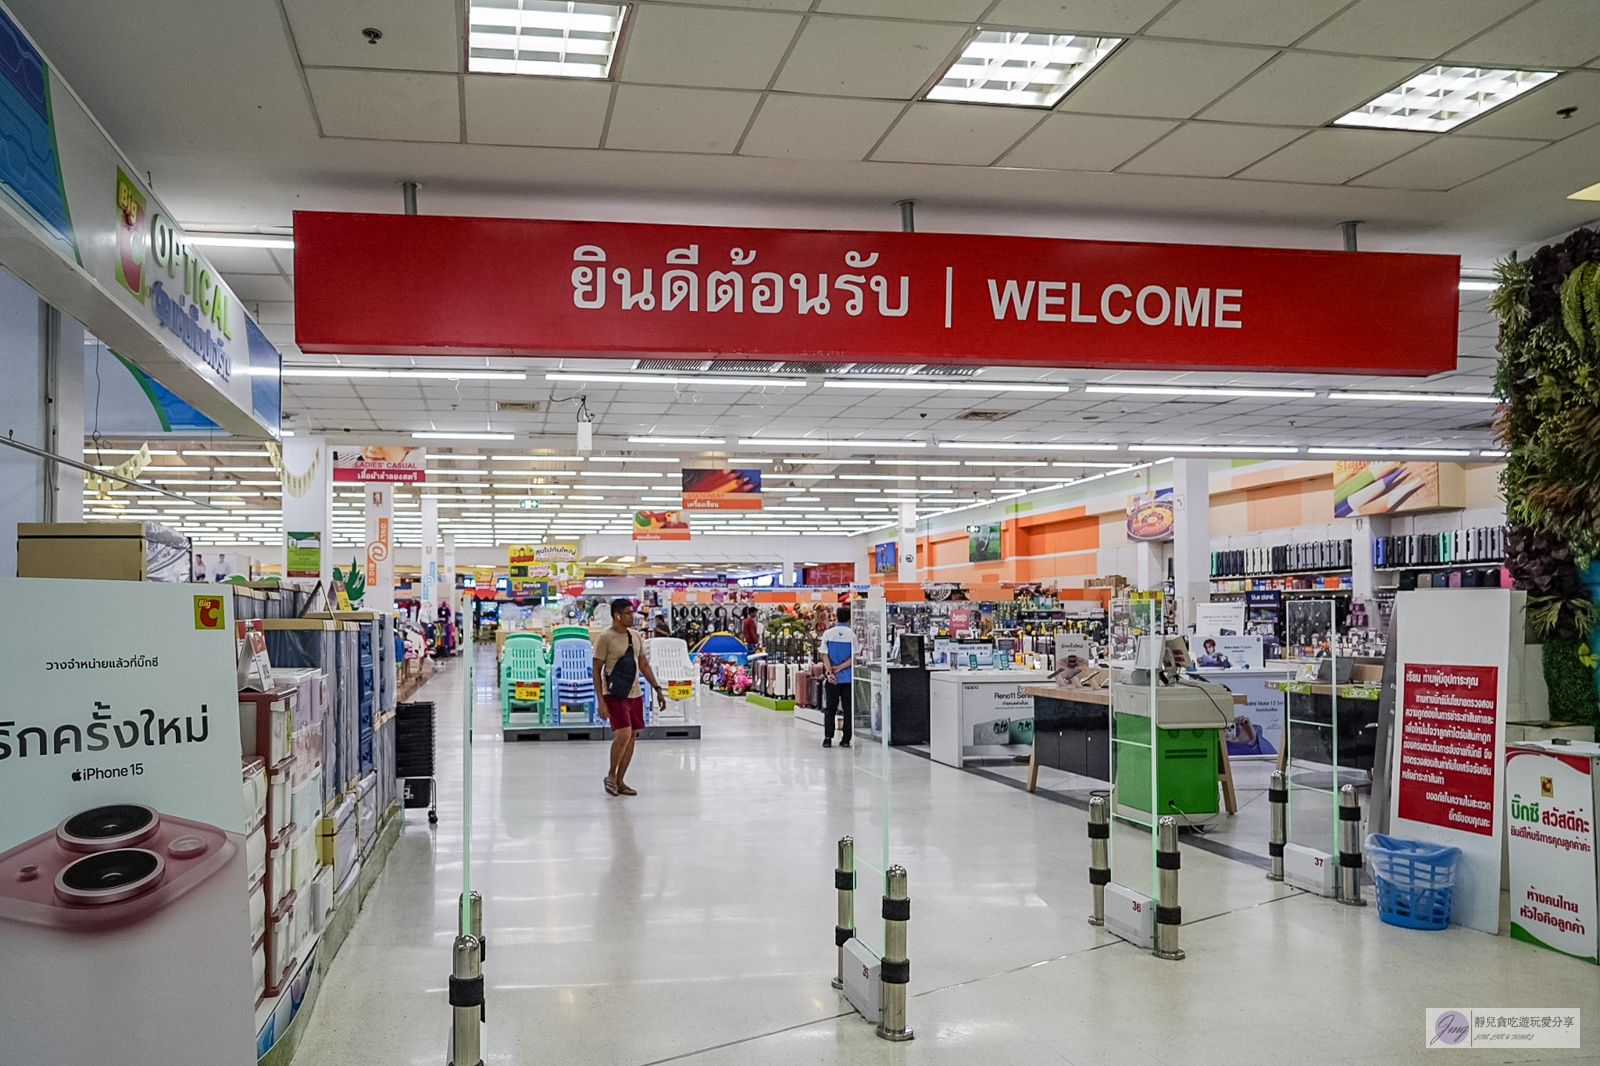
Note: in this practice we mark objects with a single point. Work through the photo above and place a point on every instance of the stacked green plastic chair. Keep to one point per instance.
(524, 659)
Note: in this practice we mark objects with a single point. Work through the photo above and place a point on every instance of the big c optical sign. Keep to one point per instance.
(487, 286)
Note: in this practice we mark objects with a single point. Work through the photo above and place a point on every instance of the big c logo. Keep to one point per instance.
(208, 612)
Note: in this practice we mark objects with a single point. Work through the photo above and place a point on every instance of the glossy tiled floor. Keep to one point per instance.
(693, 923)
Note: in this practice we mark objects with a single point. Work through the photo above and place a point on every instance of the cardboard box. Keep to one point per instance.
(103, 551)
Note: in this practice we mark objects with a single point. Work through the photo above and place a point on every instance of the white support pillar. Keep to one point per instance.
(1191, 538)
(380, 549)
(430, 558)
(907, 547)
(447, 559)
(1364, 530)
(1148, 572)
(311, 512)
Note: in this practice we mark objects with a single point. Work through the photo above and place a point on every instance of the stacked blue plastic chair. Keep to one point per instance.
(572, 677)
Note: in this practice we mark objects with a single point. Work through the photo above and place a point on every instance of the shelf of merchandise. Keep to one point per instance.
(1485, 564)
(1281, 573)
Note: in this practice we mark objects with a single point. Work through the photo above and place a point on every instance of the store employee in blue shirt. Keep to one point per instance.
(838, 651)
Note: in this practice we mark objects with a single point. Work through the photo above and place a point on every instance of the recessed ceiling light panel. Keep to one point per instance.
(1442, 98)
(1020, 68)
(544, 38)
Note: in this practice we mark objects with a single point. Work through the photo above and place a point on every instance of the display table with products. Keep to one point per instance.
(967, 705)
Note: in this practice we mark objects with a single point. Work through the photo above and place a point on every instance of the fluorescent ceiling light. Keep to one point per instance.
(457, 473)
(941, 386)
(675, 440)
(1008, 446)
(1009, 462)
(1221, 449)
(463, 436)
(516, 458)
(621, 473)
(253, 455)
(1493, 454)
(878, 477)
(637, 459)
(1478, 285)
(1020, 68)
(1094, 466)
(1442, 98)
(736, 462)
(543, 38)
(372, 372)
(1386, 451)
(829, 462)
(1221, 392)
(1414, 397)
(660, 379)
(207, 240)
(285, 432)
(917, 462)
(943, 477)
(808, 442)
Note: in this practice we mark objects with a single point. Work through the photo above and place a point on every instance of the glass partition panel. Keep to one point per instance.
(870, 779)
(1315, 765)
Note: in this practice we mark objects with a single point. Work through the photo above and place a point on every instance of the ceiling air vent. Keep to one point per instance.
(676, 365)
(742, 366)
(951, 371)
(886, 369)
(531, 406)
(795, 366)
(983, 416)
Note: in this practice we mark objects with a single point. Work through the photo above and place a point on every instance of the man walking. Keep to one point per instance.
(838, 652)
(618, 661)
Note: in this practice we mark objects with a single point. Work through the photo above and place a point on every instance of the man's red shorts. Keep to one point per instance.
(626, 712)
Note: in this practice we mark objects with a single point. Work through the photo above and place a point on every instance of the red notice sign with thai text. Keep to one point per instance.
(1446, 752)
(437, 285)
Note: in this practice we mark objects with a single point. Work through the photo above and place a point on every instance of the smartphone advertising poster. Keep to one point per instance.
(124, 933)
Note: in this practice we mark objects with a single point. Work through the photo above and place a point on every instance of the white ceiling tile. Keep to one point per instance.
(548, 112)
(253, 287)
(1419, 28)
(679, 120)
(1332, 157)
(867, 57)
(1079, 16)
(955, 133)
(755, 5)
(1245, 21)
(1209, 150)
(1447, 162)
(1300, 88)
(417, 34)
(943, 10)
(819, 127)
(1085, 142)
(706, 48)
(1535, 113)
(386, 105)
(274, 313)
(1162, 79)
(284, 258)
(1552, 33)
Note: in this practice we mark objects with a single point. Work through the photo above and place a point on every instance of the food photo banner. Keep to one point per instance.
(721, 490)
(498, 286)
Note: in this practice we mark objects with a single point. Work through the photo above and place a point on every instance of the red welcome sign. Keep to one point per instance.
(431, 285)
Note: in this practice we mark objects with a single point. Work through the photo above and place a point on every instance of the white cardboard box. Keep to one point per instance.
(1130, 915)
(1309, 869)
(861, 972)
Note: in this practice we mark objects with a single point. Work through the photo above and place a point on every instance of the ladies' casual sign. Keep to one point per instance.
(501, 286)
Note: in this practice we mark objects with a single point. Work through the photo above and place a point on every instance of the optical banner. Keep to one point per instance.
(124, 933)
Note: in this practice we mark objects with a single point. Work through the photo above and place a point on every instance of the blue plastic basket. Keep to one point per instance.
(1415, 881)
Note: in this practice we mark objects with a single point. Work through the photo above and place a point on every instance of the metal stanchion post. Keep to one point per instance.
(473, 905)
(466, 1001)
(1278, 801)
(844, 880)
(1348, 887)
(1168, 914)
(1099, 852)
(894, 969)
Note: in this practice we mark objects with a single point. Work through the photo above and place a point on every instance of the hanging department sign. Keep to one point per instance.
(721, 490)
(660, 525)
(506, 286)
(396, 464)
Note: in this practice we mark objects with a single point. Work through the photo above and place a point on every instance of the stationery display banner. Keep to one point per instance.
(397, 464)
(499, 286)
(1550, 843)
(1446, 752)
(123, 906)
(721, 490)
(660, 525)
(1383, 487)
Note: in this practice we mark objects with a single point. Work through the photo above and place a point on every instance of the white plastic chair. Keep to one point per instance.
(669, 659)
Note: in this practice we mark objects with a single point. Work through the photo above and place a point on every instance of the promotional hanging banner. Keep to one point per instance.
(1395, 487)
(660, 525)
(1150, 515)
(983, 543)
(123, 896)
(398, 464)
(721, 490)
(501, 286)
